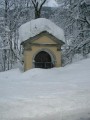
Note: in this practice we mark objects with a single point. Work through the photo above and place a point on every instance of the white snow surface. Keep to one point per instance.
(51, 94)
(34, 27)
(51, 3)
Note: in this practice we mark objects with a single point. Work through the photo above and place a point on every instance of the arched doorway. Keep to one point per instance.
(43, 60)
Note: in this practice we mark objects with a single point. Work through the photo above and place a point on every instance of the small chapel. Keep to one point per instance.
(41, 41)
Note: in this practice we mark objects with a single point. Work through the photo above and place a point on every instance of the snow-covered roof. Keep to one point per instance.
(35, 27)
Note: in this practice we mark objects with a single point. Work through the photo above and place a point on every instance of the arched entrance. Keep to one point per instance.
(43, 60)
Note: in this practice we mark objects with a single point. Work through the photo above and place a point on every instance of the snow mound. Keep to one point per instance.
(46, 94)
(10, 74)
(34, 27)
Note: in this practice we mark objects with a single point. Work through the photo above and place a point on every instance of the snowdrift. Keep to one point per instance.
(52, 94)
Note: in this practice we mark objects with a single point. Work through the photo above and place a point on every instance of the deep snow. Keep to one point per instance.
(52, 94)
(36, 26)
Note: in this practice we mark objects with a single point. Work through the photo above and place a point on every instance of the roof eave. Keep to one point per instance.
(38, 36)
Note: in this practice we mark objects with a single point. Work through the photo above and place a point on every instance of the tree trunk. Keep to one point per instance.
(37, 14)
(37, 7)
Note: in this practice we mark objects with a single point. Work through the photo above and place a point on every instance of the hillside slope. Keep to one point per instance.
(52, 94)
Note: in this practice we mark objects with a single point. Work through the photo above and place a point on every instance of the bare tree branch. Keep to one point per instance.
(42, 4)
(38, 6)
(33, 2)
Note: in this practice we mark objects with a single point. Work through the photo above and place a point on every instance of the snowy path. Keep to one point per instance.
(56, 94)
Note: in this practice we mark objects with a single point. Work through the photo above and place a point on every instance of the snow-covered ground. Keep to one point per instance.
(52, 94)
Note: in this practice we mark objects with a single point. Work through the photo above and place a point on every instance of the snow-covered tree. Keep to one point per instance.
(74, 17)
(71, 15)
(38, 6)
(9, 34)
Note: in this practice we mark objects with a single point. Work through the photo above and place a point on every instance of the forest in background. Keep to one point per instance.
(71, 15)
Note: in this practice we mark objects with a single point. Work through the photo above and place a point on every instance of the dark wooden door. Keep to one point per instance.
(43, 60)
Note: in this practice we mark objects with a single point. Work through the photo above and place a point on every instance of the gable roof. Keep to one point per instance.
(44, 33)
(37, 26)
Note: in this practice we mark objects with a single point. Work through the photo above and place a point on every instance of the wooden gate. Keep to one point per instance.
(43, 60)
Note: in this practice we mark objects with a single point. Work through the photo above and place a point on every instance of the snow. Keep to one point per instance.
(88, 55)
(85, 1)
(48, 3)
(52, 94)
(38, 3)
(5, 48)
(7, 29)
(34, 27)
(51, 3)
(77, 57)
